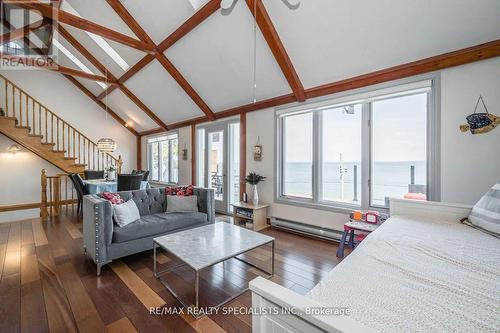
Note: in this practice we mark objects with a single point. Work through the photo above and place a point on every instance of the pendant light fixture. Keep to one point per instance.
(106, 144)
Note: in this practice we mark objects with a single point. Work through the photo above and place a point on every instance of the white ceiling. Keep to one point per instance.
(327, 40)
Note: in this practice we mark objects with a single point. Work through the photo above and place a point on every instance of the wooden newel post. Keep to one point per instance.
(120, 163)
(56, 200)
(44, 214)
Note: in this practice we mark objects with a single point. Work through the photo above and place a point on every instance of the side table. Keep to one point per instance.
(349, 229)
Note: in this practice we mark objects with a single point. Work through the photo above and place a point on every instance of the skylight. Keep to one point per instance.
(197, 4)
(75, 60)
(100, 41)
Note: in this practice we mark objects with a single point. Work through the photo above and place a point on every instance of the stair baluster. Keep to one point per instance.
(71, 150)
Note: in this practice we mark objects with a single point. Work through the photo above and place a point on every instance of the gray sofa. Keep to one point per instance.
(105, 241)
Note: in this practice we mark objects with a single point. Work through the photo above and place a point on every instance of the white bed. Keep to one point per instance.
(421, 271)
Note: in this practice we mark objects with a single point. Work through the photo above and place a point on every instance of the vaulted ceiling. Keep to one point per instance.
(187, 61)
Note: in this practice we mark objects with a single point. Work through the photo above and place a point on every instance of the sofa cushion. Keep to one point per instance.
(149, 201)
(157, 224)
(125, 213)
(182, 204)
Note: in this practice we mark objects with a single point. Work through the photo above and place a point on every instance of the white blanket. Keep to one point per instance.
(419, 276)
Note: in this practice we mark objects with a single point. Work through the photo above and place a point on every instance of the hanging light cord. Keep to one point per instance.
(255, 51)
(106, 91)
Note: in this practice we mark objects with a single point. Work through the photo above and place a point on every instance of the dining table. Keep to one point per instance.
(94, 186)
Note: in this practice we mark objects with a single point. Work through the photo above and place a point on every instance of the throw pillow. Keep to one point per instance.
(180, 190)
(182, 204)
(486, 212)
(126, 213)
(114, 198)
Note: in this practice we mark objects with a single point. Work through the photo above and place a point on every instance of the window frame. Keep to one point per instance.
(170, 137)
(365, 97)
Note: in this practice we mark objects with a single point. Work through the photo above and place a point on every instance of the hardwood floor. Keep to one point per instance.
(48, 285)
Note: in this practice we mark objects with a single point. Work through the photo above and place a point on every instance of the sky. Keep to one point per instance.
(398, 125)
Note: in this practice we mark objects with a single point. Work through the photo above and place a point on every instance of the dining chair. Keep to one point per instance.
(79, 186)
(145, 174)
(94, 174)
(129, 182)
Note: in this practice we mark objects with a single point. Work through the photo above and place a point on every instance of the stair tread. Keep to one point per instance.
(48, 144)
(35, 135)
(58, 151)
(70, 158)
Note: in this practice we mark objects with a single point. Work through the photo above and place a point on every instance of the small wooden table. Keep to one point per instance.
(254, 216)
(349, 229)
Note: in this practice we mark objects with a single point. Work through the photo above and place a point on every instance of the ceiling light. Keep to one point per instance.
(106, 145)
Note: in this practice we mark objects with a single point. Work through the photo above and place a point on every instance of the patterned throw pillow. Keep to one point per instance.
(180, 190)
(114, 198)
(486, 212)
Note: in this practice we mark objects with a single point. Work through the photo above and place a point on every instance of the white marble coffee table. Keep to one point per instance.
(209, 245)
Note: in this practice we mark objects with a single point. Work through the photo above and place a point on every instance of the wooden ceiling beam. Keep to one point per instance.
(439, 62)
(52, 66)
(170, 68)
(80, 48)
(101, 104)
(272, 38)
(130, 21)
(86, 91)
(129, 73)
(83, 24)
(20, 33)
(184, 84)
(203, 13)
(143, 107)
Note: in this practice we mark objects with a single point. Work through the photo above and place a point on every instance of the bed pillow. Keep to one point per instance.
(486, 212)
(126, 213)
(182, 204)
(180, 190)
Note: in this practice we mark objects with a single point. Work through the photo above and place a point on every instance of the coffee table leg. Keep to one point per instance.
(272, 261)
(197, 287)
(154, 259)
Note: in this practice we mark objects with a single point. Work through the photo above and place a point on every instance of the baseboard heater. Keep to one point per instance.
(307, 229)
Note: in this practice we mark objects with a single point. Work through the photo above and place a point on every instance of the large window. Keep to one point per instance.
(361, 150)
(163, 158)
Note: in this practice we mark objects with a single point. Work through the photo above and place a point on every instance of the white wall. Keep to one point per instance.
(20, 176)
(20, 180)
(470, 164)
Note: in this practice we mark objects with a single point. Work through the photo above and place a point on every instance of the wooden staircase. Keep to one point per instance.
(27, 122)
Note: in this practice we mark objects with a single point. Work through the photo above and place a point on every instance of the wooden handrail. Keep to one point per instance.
(29, 111)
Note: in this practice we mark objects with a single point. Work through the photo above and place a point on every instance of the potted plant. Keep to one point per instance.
(253, 179)
(111, 172)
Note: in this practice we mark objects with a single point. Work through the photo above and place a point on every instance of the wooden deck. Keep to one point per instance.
(48, 285)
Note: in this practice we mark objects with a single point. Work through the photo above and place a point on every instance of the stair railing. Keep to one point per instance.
(52, 130)
(57, 193)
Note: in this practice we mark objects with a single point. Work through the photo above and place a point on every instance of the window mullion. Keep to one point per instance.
(317, 156)
(366, 146)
